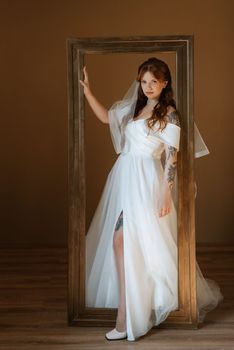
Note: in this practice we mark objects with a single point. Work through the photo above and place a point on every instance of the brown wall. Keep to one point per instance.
(33, 178)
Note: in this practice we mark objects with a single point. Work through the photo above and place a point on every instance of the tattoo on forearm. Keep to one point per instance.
(171, 173)
(171, 152)
(171, 163)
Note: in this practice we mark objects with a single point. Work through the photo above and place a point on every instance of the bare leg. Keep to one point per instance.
(119, 256)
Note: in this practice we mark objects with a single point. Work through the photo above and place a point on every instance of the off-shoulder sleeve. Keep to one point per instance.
(170, 135)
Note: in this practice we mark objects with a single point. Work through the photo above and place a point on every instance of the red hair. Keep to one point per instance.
(160, 71)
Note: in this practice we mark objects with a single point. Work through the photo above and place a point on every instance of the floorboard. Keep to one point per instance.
(33, 307)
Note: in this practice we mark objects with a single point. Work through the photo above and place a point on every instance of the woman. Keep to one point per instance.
(131, 244)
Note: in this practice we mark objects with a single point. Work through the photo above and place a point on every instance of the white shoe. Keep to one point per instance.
(115, 335)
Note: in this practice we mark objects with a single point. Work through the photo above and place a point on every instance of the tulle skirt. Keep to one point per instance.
(150, 249)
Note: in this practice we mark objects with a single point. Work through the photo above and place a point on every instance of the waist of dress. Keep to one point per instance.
(140, 154)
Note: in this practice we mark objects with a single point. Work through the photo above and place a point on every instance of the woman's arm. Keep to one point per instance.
(99, 110)
(168, 180)
(169, 169)
(170, 166)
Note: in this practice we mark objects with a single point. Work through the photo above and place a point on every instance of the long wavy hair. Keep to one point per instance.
(160, 71)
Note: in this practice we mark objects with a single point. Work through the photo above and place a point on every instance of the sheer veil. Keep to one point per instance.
(119, 114)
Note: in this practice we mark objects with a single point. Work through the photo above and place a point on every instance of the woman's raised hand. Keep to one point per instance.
(85, 82)
(99, 110)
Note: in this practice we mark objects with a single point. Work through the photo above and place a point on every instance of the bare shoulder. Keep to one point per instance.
(172, 116)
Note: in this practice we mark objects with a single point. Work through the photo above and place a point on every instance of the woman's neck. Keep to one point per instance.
(152, 102)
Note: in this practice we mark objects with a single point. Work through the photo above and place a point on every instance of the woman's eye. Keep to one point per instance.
(152, 82)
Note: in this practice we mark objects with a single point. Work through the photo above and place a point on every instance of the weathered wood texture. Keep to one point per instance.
(77, 49)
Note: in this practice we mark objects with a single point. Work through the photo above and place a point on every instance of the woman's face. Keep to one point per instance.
(151, 86)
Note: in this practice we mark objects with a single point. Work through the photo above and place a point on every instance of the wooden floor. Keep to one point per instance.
(33, 307)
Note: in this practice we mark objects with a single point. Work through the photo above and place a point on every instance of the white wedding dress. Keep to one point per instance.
(150, 241)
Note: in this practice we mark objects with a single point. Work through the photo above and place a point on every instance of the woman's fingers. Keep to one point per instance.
(164, 202)
(163, 211)
(86, 77)
(82, 83)
(85, 81)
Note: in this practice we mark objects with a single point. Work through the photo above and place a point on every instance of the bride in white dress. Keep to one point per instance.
(131, 244)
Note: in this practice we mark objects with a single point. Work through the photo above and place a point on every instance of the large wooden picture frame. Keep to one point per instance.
(77, 48)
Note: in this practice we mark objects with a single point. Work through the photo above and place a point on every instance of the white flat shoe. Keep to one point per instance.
(116, 335)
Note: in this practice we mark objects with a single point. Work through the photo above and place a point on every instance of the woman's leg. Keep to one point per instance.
(119, 256)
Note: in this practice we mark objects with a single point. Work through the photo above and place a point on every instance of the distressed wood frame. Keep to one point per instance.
(77, 48)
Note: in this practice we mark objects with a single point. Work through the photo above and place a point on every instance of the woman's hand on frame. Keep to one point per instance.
(85, 82)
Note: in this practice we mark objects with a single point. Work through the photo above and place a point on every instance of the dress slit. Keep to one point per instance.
(120, 216)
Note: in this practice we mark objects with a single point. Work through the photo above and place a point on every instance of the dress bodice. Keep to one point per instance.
(140, 140)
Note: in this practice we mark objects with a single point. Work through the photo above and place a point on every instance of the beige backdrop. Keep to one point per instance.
(33, 70)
